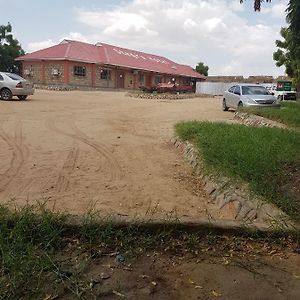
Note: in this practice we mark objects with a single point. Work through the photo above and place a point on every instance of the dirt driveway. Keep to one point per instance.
(102, 149)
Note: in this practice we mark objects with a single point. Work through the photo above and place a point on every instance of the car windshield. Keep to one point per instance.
(254, 90)
(14, 76)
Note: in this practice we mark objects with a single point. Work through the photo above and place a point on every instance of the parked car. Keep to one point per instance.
(14, 85)
(248, 95)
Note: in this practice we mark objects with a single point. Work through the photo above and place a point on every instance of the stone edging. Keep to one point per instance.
(52, 87)
(246, 208)
(257, 121)
(166, 96)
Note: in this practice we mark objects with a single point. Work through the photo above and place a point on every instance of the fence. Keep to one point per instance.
(213, 88)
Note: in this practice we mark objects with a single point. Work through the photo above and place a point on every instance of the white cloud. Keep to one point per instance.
(189, 24)
(34, 46)
(76, 36)
(278, 10)
(187, 31)
(236, 6)
(212, 23)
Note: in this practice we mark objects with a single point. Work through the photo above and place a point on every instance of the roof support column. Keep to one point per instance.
(66, 72)
(43, 72)
(116, 77)
(93, 75)
(135, 80)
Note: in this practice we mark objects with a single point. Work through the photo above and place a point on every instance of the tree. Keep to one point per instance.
(257, 4)
(293, 18)
(202, 68)
(283, 55)
(288, 52)
(10, 49)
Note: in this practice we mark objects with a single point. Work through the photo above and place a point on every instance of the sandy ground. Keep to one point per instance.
(216, 272)
(163, 277)
(77, 150)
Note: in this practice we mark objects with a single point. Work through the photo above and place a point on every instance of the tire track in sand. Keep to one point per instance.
(113, 168)
(19, 154)
(63, 181)
(101, 149)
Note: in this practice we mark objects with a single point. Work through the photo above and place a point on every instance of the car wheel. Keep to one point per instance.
(22, 97)
(5, 94)
(224, 106)
(240, 105)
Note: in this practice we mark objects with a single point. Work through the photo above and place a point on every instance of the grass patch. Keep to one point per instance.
(25, 239)
(266, 158)
(288, 113)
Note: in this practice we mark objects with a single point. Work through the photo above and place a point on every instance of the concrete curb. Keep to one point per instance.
(247, 209)
(257, 121)
(166, 96)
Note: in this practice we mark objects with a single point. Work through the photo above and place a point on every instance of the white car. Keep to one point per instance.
(14, 85)
(248, 95)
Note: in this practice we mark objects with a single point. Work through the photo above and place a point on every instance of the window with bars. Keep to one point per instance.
(79, 71)
(105, 74)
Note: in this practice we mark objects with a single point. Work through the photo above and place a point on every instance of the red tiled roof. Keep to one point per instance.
(110, 55)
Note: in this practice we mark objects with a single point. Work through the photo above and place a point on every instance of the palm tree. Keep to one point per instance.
(293, 17)
(257, 4)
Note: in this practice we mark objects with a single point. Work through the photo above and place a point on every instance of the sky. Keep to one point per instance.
(227, 36)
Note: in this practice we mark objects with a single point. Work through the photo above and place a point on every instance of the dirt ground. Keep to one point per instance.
(216, 271)
(77, 150)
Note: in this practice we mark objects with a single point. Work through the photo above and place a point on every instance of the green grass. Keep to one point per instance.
(289, 113)
(25, 240)
(258, 156)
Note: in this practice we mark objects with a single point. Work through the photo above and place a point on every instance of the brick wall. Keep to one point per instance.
(35, 69)
(50, 77)
(41, 72)
(80, 80)
(103, 82)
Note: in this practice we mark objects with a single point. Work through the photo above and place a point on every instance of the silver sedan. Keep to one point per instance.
(248, 95)
(14, 85)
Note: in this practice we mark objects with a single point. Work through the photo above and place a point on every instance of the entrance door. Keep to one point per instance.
(148, 81)
(120, 80)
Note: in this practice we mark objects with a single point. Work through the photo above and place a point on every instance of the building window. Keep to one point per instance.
(141, 79)
(105, 74)
(157, 79)
(79, 71)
